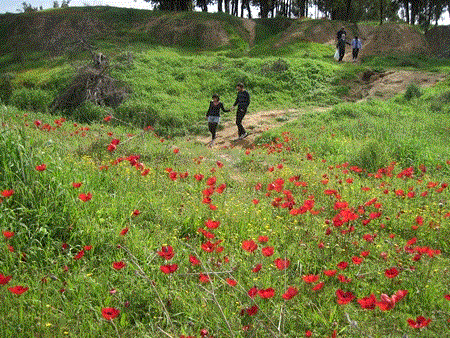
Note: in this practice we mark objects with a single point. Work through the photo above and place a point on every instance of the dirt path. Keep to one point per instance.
(255, 124)
(378, 85)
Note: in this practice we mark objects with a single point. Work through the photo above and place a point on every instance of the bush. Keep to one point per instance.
(412, 91)
(31, 99)
(370, 157)
(5, 88)
(89, 112)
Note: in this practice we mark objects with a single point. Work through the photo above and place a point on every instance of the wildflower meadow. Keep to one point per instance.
(113, 231)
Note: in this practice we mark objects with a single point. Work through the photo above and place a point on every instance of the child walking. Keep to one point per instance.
(213, 116)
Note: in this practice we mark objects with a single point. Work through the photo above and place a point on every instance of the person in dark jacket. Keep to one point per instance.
(213, 116)
(242, 102)
(341, 46)
(340, 33)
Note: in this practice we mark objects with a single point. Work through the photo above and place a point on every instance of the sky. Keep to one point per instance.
(15, 6)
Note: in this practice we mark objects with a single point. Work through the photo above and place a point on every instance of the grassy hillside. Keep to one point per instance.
(333, 225)
(363, 184)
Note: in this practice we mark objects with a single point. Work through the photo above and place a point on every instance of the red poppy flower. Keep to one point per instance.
(8, 234)
(446, 296)
(368, 302)
(87, 247)
(221, 188)
(342, 265)
(41, 167)
(204, 278)
(391, 273)
(118, 265)
(136, 212)
(267, 251)
(166, 252)
(210, 224)
(7, 193)
(257, 268)
(4, 279)
(124, 231)
(10, 248)
(109, 313)
(357, 260)
(344, 279)
(231, 282)
(263, 239)
(85, 197)
(37, 123)
(176, 150)
(266, 293)
(249, 246)
(79, 255)
(18, 289)
(282, 264)
(211, 181)
(308, 333)
(251, 311)
(252, 292)
(107, 118)
(76, 184)
(329, 273)
(212, 207)
(290, 293)
(194, 260)
(419, 323)
(318, 286)
(198, 177)
(168, 269)
(344, 297)
(310, 278)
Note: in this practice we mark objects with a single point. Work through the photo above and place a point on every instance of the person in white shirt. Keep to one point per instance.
(357, 45)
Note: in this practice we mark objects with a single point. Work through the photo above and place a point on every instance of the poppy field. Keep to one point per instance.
(111, 231)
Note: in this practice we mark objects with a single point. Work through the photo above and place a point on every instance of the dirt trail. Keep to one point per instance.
(375, 85)
(255, 124)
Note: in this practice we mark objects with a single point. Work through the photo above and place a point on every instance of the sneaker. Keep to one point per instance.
(243, 136)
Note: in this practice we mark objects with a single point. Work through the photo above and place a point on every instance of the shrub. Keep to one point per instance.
(370, 157)
(31, 99)
(89, 112)
(412, 91)
(5, 88)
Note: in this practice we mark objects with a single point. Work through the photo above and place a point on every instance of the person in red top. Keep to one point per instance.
(213, 116)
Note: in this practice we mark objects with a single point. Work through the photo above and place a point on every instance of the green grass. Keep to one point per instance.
(339, 158)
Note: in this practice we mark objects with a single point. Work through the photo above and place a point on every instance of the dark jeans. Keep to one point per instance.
(355, 53)
(239, 116)
(341, 53)
(212, 128)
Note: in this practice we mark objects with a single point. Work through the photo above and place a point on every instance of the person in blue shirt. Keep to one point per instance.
(213, 116)
(242, 102)
(357, 45)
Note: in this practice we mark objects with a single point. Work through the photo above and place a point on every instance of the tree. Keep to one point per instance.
(172, 5)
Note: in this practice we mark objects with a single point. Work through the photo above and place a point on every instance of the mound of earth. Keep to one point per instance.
(439, 40)
(386, 85)
(377, 40)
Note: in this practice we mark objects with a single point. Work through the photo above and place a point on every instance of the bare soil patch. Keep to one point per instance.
(255, 124)
(388, 84)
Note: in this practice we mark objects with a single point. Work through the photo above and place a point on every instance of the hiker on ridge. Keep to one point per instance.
(357, 45)
(242, 102)
(213, 116)
(341, 45)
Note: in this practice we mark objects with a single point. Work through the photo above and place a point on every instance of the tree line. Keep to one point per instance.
(414, 12)
(422, 12)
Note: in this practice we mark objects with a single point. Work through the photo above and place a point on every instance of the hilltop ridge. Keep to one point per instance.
(58, 30)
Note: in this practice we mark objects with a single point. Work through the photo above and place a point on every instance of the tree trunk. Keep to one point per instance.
(381, 12)
(227, 6)
(347, 12)
(406, 5)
